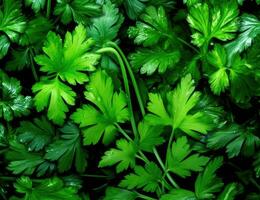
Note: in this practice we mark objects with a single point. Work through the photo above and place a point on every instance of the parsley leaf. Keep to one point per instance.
(4, 45)
(147, 177)
(153, 28)
(71, 60)
(77, 10)
(219, 80)
(68, 149)
(35, 32)
(219, 22)
(150, 136)
(249, 28)
(23, 160)
(178, 115)
(150, 60)
(110, 108)
(36, 5)
(12, 103)
(134, 8)
(229, 193)
(179, 194)
(53, 94)
(236, 139)
(124, 156)
(113, 193)
(47, 189)
(36, 134)
(235, 73)
(207, 183)
(20, 59)
(256, 164)
(12, 22)
(181, 162)
(105, 27)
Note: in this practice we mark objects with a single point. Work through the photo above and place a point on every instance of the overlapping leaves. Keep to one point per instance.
(110, 109)
(178, 110)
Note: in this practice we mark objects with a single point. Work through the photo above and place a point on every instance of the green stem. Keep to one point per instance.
(130, 71)
(3, 151)
(188, 45)
(255, 183)
(204, 51)
(142, 156)
(36, 78)
(123, 132)
(141, 104)
(164, 169)
(169, 145)
(48, 8)
(94, 176)
(126, 83)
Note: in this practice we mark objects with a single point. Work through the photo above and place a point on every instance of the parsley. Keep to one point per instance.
(129, 99)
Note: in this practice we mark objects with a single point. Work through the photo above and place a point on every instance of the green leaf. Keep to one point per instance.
(36, 5)
(233, 72)
(219, 80)
(47, 189)
(180, 160)
(113, 193)
(153, 29)
(78, 10)
(105, 28)
(179, 194)
(219, 21)
(35, 32)
(36, 134)
(150, 60)
(242, 80)
(12, 103)
(23, 160)
(256, 164)
(147, 178)
(4, 45)
(236, 139)
(68, 150)
(12, 22)
(150, 136)
(71, 60)
(54, 95)
(110, 108)
(134, 8)
(229, 192)
(179, 113)
(207, 183)
(249, 28)
(167, 4)
(124, 156)
(20, 60)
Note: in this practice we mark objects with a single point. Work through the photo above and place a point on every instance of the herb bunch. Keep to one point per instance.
(120, 99)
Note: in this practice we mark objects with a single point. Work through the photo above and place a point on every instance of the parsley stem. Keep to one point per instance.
(255, 183)
(126, 83)
(142, 156)
(48, 8)
(123, 132)
(36, 78)
(169, 144)
(164, 169)
(187, 44)
(141, 104)
(94, 176)
(132, 76)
